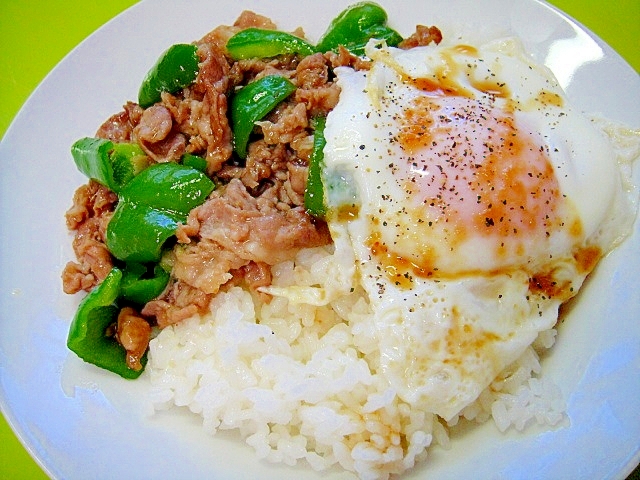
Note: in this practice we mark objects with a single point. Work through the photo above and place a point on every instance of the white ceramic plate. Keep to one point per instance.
(80, 422)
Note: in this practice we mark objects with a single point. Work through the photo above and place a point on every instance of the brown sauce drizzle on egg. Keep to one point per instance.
(463, 341)
(444, 79)
(472, 171)
(398, 269)
(552, 284)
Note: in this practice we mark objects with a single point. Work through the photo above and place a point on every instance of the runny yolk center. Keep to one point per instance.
(475, 183)
(470, 166)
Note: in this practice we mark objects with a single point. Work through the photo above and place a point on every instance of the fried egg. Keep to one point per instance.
(474, 200)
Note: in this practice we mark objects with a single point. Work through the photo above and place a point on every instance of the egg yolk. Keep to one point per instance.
(473, 168)
(475, 183)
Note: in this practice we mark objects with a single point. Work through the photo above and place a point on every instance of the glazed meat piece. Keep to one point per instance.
(422, 36)
(233, 229)
(133, 333)
(256, 217)
(88, 217)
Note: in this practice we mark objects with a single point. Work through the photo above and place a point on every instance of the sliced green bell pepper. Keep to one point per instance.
(314, 192)
(260, 43)
(379, 32)
(88, 337)
(138, 287)
(194, 161)
(252, 102)
(175, 69)
(150, 208)
(355, 26)
(111, 164)
(168, 186)
(137, 232)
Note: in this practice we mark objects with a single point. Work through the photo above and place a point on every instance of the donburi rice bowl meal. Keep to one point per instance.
(346, 249)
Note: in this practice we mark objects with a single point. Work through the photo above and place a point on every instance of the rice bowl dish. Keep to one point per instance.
(308, 372)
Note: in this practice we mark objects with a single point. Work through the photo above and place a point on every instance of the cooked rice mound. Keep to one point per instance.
(301, 382)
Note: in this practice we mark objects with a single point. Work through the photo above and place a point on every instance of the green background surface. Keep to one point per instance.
(36, 35)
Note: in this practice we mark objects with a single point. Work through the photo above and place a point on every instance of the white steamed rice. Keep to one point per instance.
(300, 382)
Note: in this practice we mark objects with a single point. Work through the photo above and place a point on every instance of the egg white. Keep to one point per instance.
(446, 331)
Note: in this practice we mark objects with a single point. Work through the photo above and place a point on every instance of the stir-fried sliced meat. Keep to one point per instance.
(256, 228)
(133, 333)
(170, 149)
(219, 36)
(155, 124)
(269, 166)
(256, 217)
(179, 302)
(256, 275)
(314, 88)
(344, 58)
(243, 71)
(167, 313)
(302, 147)
(89, 216)
(422, 36)
(90, 200)
(297, 179)
(77, 277)
(312, 71)
(94, 259)
(206, 265)
(203, 113)
(319, 100)
(119, 127)
(233, 229)
(262, 162)
(155, 134)
(286, 124)
(219, 136)
(248, 19)
(213, 70)
(193, 121)
(89, 245)
(253, 276)
(246, 71)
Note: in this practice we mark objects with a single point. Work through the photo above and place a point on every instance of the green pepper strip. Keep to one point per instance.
(194, 161)
(355, 26)
(314, 192)
(260, 43)
(137, 288)
(379, 32)
(175, 69)
(252, 102)
(87, 335)
(150, 208)
(111, 164)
